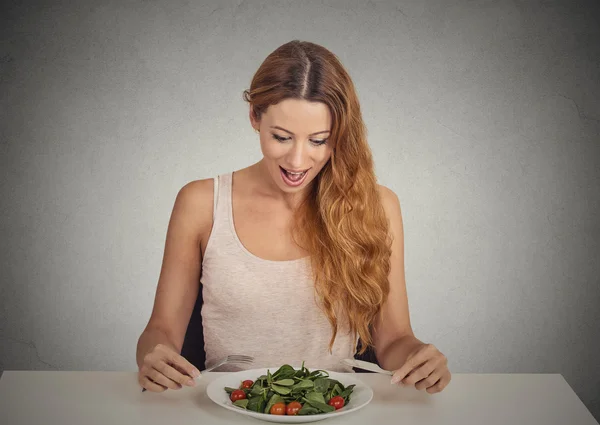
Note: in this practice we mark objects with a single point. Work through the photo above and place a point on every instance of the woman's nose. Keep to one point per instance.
(297, 155)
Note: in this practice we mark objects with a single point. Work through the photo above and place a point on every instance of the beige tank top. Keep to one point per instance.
(262, 308)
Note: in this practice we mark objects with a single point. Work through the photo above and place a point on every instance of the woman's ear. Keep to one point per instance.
(253, 119)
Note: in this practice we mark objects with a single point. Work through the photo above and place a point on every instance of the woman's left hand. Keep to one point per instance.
(426, 368)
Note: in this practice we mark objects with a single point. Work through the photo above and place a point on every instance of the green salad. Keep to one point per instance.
(291, 391)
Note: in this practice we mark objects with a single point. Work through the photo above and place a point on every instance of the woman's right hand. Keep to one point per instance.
(164, 368)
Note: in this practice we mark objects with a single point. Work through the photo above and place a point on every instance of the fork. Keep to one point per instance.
(232, 358)
(361, 364)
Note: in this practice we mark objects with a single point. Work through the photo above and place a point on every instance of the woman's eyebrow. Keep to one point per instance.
(287, 131)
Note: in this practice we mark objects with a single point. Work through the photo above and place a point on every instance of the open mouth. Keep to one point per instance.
(292, 178)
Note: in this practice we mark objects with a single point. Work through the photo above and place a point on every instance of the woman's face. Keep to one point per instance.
(293, 140)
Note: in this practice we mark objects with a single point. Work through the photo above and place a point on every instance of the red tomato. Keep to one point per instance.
(293, 408)
(237, 395)
(247, 384)
(337, 402)
(278, 409)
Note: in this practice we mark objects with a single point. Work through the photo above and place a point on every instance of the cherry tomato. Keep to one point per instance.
(293, 408)
(278, 409)
(337, 402)
(237, 395)
(247, 384)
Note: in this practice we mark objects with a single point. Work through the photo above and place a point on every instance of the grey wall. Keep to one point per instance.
(484, 117)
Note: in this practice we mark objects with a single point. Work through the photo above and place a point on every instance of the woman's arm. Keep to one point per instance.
(393, 337)
(396, 346)
(179, 280)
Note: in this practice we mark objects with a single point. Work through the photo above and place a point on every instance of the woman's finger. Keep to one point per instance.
(429, 381)
(440, 385)
(174, 359)
(159, 378)
(420, 373)
(182, 365)
(149, 385)
(174, 375)
(419, 358)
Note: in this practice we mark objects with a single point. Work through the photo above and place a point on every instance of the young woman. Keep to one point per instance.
(300, 255)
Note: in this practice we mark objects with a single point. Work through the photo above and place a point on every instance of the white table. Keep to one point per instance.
(56, 398)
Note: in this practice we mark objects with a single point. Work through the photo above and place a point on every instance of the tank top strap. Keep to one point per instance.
(222, 203)
(215, 196)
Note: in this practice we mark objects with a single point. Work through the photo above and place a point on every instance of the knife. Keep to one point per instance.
(361, 364)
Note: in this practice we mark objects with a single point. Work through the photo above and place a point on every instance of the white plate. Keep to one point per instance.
(361, 395)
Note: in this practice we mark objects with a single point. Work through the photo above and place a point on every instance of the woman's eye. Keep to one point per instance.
(284, 139)
(279, 138)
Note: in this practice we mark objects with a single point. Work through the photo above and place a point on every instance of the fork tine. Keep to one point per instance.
(240, 361)
(235, 357)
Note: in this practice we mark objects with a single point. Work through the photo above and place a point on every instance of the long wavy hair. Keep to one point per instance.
(341, 222)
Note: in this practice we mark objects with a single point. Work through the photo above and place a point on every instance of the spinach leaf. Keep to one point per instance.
(257, 391)
(284, 382)
(285, 371)
(315, 396)
(318, 374)
(256, 404)
(321, 385)
(336, 390)
(308, 410)
(305, 384)
(253, 404)
(281, 390)
(241, 403)
(346, 393)
(324, 408)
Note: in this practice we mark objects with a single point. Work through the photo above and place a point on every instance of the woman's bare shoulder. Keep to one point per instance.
(194, 204)
(389, 199)
(197, 190)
